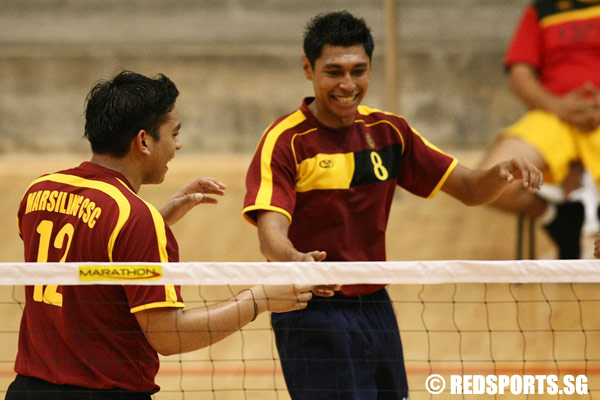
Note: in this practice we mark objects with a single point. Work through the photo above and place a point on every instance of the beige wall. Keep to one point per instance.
(237, 65)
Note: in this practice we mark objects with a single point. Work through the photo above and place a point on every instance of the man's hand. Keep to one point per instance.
(325, 290)
(189, 197)
(282, 298)
(320, 290)
(580, 108)
(523, 170)
(315, 255)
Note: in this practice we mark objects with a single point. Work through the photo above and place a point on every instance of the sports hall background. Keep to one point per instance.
(237, 65)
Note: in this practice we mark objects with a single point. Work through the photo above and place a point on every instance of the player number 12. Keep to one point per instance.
(63, 239)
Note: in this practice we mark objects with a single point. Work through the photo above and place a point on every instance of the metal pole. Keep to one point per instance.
(390, 63)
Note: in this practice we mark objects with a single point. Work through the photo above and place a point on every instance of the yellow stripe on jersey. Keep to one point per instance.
(444, 178)
(387, 123)
(448, 171)
(110, 190)
(265, 192)
(161, 236)
(430, 145)
(161, 233)
(567, 16)
(159, 226)
(160, 304)
(364, 110)
(249, 209)
(325, 171)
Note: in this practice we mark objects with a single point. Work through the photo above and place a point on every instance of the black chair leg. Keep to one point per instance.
(524, 230)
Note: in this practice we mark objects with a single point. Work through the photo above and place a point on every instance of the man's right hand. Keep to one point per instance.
(282, 298)
(316, 255)
(321, 290)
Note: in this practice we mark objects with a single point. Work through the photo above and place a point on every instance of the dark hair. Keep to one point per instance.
(117, 109)
(338, 28)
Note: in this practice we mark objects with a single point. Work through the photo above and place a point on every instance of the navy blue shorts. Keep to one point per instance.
(29, 388)
(345, 348)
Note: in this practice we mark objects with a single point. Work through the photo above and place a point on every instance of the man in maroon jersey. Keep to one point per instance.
(552, 63)
(320, 187)
(101, 341)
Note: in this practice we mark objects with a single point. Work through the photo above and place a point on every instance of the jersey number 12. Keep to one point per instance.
(62, 241)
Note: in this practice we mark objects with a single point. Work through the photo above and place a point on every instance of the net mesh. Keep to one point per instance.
(512, 318)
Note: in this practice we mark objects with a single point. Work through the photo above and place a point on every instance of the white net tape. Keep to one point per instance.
(457, 318)
(220, 273)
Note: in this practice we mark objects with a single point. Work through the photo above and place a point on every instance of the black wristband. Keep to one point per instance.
(255, 305)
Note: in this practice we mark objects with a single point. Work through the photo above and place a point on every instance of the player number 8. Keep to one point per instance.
(378, 168)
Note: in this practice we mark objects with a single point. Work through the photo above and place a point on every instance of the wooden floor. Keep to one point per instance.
(452, 324)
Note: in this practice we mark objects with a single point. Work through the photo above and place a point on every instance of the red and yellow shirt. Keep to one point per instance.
(88, 335)
(561, 40)
(336, 186)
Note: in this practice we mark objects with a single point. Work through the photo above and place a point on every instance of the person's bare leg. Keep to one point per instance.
(561, 219)
(515, 198)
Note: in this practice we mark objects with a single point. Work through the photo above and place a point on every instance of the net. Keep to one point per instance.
(476, 325)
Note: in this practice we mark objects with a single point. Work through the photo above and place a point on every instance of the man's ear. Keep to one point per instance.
(308, 71)
(141, 141)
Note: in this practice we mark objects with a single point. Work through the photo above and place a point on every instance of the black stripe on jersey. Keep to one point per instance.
(547, 8)
(369, 168)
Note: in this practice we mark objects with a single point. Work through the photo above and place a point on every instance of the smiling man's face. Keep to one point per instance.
(340, 80)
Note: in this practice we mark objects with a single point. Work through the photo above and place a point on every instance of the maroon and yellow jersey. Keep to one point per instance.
(561, 39)
(336, 185)
(88, 335)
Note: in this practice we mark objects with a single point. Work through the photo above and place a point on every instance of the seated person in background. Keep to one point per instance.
(553, 63)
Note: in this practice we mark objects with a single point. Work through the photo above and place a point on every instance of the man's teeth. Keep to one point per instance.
(345, 100)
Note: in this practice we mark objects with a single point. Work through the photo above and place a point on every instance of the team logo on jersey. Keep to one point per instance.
(370, 140)
(326, 164)
(564, 5)
(128, 272)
